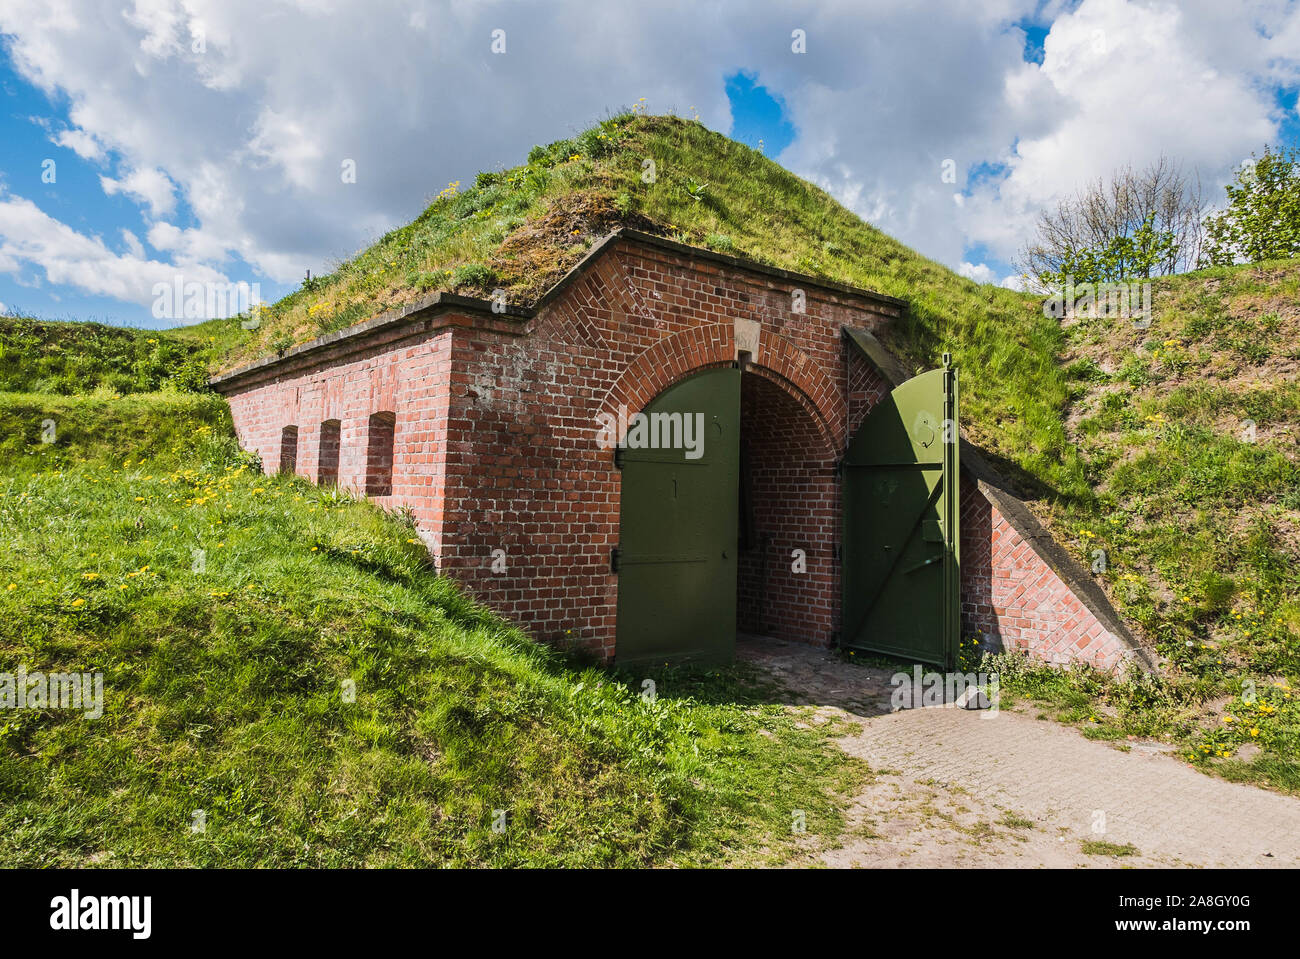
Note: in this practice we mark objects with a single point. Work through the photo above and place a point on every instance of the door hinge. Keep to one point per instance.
(835, 551)
(615, 555)
(619, 453)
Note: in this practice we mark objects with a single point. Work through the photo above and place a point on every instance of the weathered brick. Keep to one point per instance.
(489, 437)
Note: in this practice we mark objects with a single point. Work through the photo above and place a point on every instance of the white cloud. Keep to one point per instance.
(251, 131)
(281, 141)
(190, 244)
(981, 273)
(133, 244)
(149, 186)
(162, 23)
(1133, 81)
(32, 238)
(81, 143)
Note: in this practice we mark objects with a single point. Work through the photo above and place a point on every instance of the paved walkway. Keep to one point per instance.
(957, 789)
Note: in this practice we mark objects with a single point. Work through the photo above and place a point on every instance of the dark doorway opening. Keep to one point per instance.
(787, 583)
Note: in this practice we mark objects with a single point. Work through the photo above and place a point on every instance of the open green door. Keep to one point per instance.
(901, 572)
(676, 556)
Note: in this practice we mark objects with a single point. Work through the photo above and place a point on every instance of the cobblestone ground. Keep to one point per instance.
(953, 788)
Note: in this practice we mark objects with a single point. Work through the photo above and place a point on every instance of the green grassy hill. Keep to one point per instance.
(1121, 441)
(228, 612)
(224, 684)
(76, 358)
(1188, 434)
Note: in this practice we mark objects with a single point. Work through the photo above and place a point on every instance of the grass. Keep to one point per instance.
(521, 229)
(1014, 821)
(1172, 450)
(78, 358)
(230, 613)
(1187, 431)
(49, 432)
(1100, 847)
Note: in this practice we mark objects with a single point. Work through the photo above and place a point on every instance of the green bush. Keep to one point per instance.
(1262, 220)
(190, 377)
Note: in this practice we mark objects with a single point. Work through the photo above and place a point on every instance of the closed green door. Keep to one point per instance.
(901, 575)
(676, 557)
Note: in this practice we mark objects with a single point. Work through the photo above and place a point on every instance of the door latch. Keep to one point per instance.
(929, 562)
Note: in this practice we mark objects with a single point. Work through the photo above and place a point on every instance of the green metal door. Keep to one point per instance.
(676, 556)
(901, 562)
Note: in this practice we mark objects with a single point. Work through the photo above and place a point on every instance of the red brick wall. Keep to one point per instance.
(533, 481)
(794, 490)
(408, 373)
(494, 447)
(866, 388)
(1016, 601)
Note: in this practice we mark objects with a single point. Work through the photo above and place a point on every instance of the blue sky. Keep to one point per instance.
(758, 117)
(205, 138)
(77, 199)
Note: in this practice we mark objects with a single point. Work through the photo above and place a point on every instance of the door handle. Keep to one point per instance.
(928, 562)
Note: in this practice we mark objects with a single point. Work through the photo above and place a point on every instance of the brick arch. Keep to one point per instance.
(824, 432)
(676, 357)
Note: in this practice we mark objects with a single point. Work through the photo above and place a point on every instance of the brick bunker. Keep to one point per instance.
(484, 424)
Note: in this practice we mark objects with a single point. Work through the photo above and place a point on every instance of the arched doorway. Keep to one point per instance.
(727, 519)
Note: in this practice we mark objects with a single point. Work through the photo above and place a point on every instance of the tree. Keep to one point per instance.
(1262, 221)
(1136, 224)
